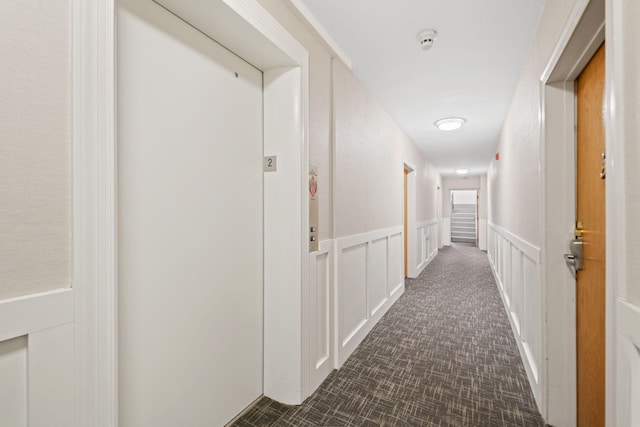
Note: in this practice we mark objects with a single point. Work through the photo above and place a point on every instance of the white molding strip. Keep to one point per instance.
(516, 267)
(34, 313)
(94, 212)
(303, 11)
(368, 279)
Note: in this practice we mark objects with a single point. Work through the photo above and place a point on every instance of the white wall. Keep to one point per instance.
(464, 197)
(630, 86)
(623, 269)
(320, 106)
(35, 147)
(457, 183)
(517, 270)
(515, 212)
(514, 179)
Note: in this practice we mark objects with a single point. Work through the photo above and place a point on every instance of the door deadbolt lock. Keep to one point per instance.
(574, 257)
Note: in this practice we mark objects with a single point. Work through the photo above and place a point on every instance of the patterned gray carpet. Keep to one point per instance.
(444, 355)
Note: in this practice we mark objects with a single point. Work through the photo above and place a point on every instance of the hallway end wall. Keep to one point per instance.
(479, 183)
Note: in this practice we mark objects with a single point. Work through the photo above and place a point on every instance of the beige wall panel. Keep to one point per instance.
(35, 119)
(514, 179)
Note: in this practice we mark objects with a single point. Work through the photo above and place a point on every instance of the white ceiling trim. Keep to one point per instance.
(311, 20)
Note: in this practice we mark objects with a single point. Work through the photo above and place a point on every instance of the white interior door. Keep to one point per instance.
(190, 238)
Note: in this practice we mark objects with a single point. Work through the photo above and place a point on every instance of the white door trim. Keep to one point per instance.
(94, 213)
(583, 34)
(412, 265)
(618, 410)
(95, 200)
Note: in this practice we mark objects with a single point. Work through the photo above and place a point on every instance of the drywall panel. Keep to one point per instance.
(35, 147)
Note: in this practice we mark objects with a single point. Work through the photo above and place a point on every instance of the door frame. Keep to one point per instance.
(476, 219)
(285, 64)
(583, 33)
(410, 238)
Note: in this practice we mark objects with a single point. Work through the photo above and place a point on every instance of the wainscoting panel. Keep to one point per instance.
(319, 316)
(13, 382)
(352, 262)
(516, 267)
(377, 274)
(37, 360)
(446, 232)
(395, 283)
(628, 364)
(368, 280)
(427, 245)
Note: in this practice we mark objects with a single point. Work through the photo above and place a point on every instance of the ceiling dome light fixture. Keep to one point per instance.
(450, 123)
(462, 171)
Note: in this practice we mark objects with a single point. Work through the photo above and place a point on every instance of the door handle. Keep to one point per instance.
(574, 257)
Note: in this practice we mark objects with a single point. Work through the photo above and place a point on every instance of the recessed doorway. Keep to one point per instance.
(464, 216)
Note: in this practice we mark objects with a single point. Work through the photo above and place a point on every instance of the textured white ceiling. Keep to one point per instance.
(471, 70)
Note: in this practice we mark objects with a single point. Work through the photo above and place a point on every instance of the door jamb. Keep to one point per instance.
(579, 40)
(411, 221)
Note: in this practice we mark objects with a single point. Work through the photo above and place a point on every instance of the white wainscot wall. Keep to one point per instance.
(426, 245)
(628, 363)
(320, 360)
(369, 278)
(516, 266)
(446, 232)
(37, 360)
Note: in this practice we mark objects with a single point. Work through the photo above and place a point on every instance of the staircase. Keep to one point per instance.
(463, 224)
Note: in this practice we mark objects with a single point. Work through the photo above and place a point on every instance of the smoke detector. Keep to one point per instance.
(426, 38)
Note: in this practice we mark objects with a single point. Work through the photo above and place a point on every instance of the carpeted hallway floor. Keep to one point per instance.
(444, 355)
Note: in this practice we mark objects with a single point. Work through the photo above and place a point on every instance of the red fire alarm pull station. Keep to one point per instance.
(497, 156)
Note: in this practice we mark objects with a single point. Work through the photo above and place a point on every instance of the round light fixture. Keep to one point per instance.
(462, 171)
(450, 123)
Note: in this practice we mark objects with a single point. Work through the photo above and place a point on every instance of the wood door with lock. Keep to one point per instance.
(590, 228)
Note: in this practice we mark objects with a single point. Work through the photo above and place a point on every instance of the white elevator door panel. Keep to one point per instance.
(190, 224)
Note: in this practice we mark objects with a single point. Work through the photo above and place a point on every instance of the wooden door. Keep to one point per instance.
(406, 235)
(590, 281)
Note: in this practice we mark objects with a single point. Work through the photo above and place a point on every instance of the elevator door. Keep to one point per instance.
(190, 233)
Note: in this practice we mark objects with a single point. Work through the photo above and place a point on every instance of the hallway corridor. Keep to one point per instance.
(444, 355)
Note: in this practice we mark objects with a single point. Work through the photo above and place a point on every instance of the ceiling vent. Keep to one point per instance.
(426, 38)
